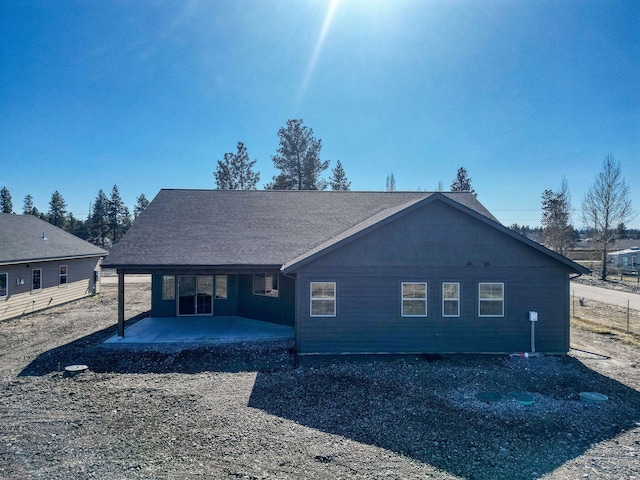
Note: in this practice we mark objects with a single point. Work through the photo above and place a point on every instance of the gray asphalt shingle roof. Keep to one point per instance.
(255, 227)
(21, 240)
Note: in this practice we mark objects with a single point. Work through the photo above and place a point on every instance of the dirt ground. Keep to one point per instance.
(254, 412)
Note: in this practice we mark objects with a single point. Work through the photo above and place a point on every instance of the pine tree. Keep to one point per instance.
(99, 228)
(338, 179)
(76, 226)
(117, 213)
(141, 205)
(298, 159)
(6, 206)
(57, 211)
(235, 171)
(28, 208)
(462, 182)
(556, 211)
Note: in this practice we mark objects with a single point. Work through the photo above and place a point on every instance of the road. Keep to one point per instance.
(606, 295)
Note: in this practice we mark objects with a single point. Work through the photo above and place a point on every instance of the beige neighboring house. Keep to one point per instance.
(42, 266)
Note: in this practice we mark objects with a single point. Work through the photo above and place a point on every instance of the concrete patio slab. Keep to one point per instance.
(201, 330)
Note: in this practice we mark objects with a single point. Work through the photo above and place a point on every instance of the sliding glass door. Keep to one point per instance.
(195, 295)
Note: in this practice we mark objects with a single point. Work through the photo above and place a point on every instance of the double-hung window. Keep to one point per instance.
(490, 299)
(36, 279)
(414, 299)
(4, 284)
(168, 287)
(62, 275)
(450, 299)
(323, 299)
(265, 284)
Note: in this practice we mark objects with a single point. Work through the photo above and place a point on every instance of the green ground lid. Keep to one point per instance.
(522, 398)
(488, 397)
(593, 397)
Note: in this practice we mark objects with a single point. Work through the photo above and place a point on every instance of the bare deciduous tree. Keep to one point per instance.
(606, 205)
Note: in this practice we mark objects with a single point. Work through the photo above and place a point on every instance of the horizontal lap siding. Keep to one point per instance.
(280, 309)
(435, 244)
(21, 300)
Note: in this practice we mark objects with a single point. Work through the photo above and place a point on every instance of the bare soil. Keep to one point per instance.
(254, 412)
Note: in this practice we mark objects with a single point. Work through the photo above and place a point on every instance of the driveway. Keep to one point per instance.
(606, 295)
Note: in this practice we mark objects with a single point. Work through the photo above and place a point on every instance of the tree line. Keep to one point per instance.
(108, 219)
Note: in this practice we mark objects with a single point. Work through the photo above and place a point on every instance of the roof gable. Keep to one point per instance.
(25, 238)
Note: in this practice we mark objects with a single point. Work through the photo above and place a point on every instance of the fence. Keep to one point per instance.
(616, 317)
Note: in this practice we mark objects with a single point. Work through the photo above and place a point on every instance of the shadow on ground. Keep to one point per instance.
(161, 358)
(429, 411)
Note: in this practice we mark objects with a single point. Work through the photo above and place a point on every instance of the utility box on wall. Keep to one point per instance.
(533, 316)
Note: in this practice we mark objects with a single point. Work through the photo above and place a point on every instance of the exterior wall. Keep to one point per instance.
(434, 244)
(22, 300)
(279, 309)
(167, 308)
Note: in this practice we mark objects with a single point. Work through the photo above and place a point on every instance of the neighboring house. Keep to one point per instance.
(353, 272)
(626, 260)
(42, 265)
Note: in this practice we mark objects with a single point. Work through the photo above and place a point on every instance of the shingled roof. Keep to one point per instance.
(26, 238)
(227, 228)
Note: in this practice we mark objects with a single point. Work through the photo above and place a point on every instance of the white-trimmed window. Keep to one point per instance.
(221, 286)
(491, 299)
(323, 299)
(414, 299)
(450, 299)
(4, 284)
(62, 275)
(36, 279)
(265, 284)
(168, 287)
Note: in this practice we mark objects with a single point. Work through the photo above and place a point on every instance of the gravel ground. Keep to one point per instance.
(253, 412)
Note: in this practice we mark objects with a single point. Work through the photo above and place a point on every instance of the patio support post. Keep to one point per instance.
(121, 303)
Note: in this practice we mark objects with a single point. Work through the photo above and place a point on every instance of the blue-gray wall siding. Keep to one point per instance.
(434, 244)
(240, 300)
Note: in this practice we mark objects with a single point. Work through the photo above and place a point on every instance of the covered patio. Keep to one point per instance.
(202, 330)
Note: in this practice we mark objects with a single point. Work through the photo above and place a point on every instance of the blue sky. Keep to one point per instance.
(150, 94)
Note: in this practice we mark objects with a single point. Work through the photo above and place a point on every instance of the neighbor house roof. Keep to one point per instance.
(26, 238)
(263, 228)
(249, 227)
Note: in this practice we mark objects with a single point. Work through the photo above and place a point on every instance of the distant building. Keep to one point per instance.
(42, 265)
(626, 260)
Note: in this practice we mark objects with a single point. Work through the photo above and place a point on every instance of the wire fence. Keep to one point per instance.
(616, 317)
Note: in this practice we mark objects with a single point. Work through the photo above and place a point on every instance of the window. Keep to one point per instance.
(450, 299)
(36, 279)
(221, 286)
(323, 299)
(414, 299)
(491, 299)
(168, 287)
(265, 284)
(62, 275)
(4, 284)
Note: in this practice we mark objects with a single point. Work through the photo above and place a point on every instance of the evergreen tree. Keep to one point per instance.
(391, 183)
(338, 179)
(28, 208)
(556, 210)
(235, 171)
(57, 211)
(117, 214)
(141, 205)
(6, 206)
(76, 226)
(462, 182)
(99, 228)
(298, 159)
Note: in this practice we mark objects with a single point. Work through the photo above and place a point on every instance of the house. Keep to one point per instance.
(42, 265)
(353, 272)
(626, 260)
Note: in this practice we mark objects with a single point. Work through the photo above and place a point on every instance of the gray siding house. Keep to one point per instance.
(353, 272)
(42, 266)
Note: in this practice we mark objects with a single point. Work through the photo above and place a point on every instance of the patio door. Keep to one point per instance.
(195, 295)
